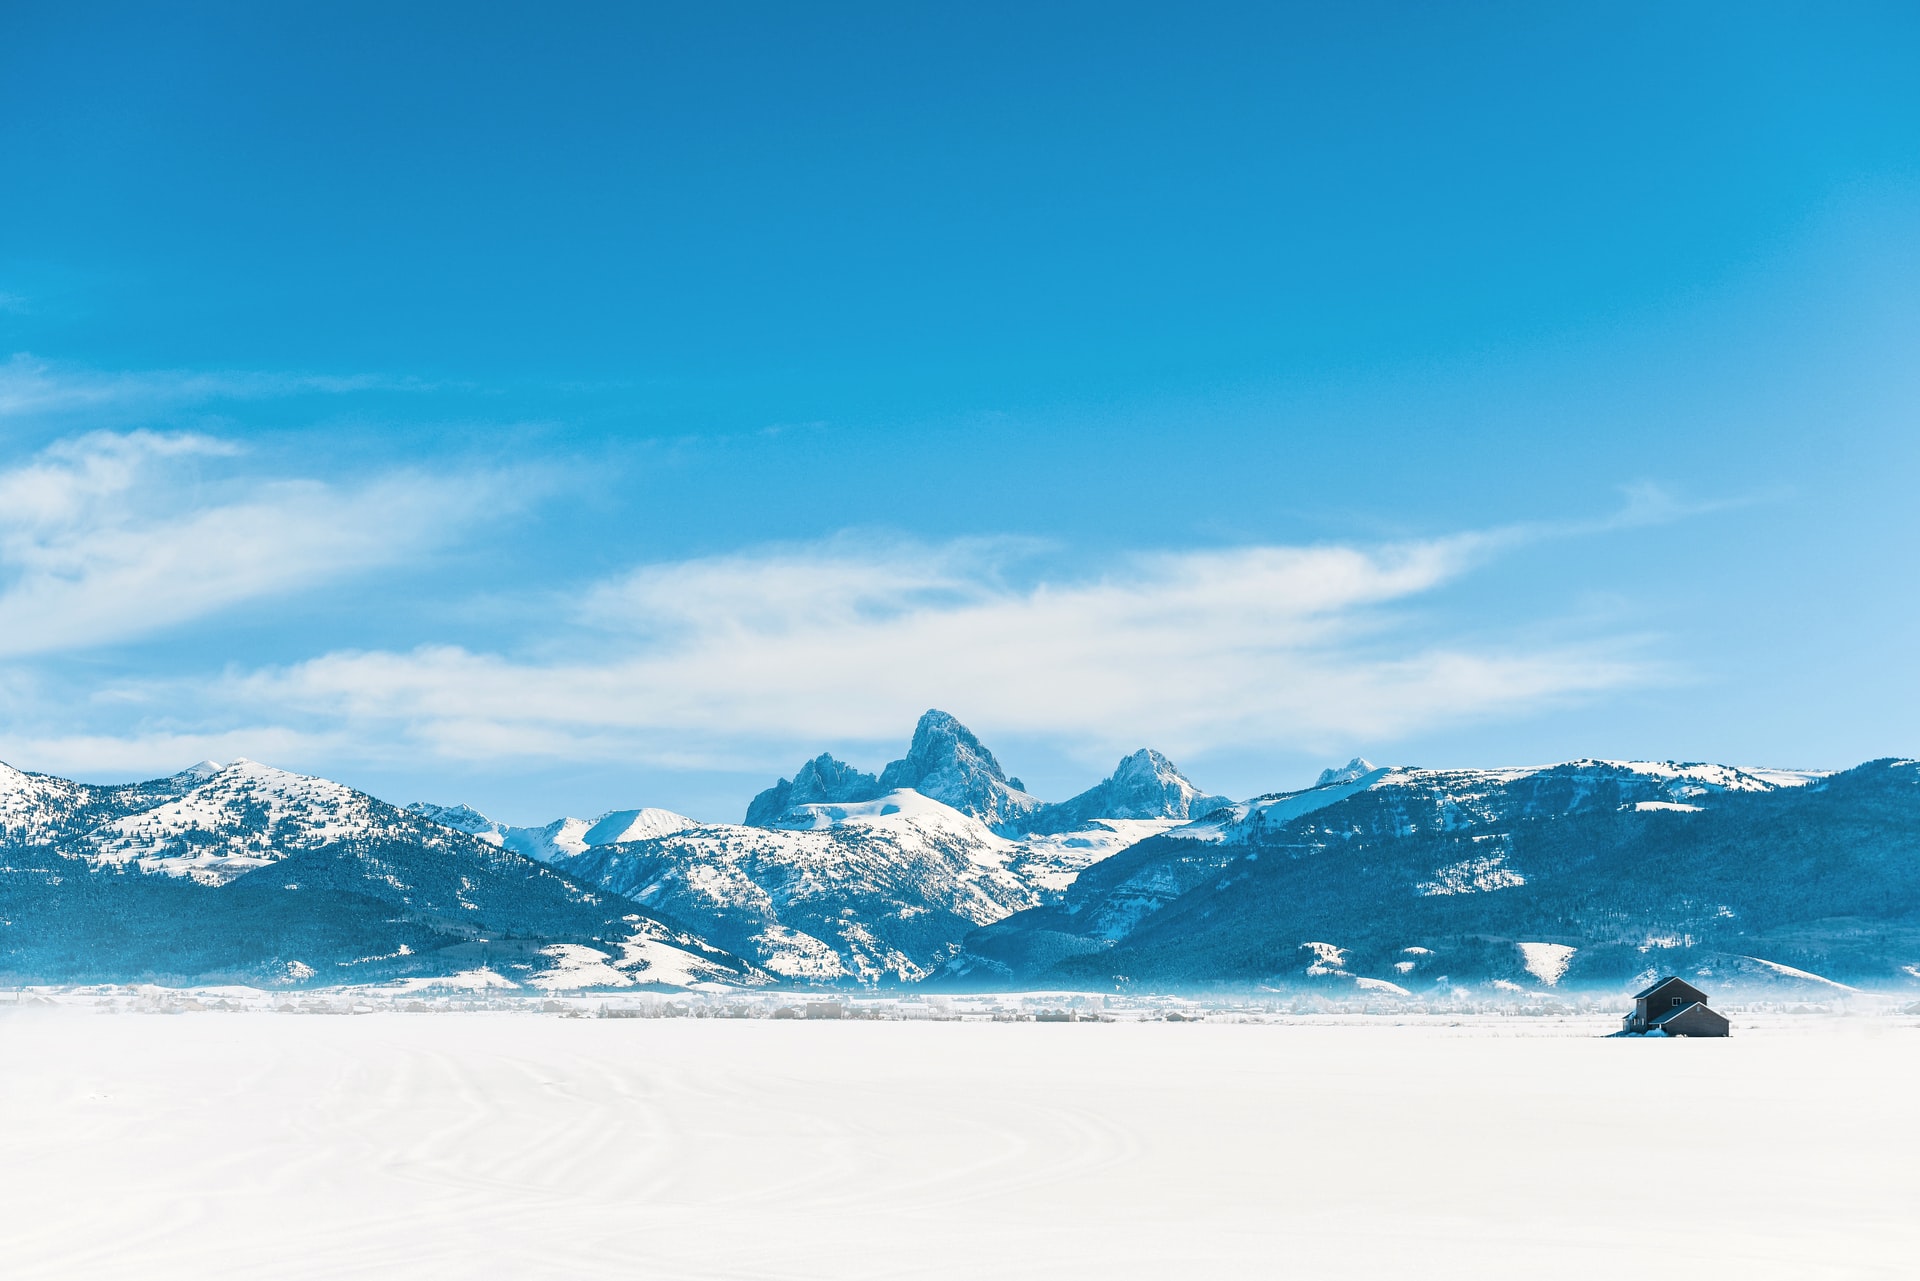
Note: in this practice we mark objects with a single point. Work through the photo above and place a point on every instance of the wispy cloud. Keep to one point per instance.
(691, 661)
(154, 753)
(102, 538)
(31, 387)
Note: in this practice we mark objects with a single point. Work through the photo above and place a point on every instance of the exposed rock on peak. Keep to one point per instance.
(1354, 770)
(1144, 785)
(945, 762)
(461, 818)
(949, 764)
(824, 780)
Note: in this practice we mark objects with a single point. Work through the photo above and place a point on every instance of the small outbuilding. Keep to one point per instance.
(1674, 1007)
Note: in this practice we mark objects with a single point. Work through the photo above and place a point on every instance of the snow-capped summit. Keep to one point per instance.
(617, 826)
(244, 815)
(562, 838)
(946, 762)
(1352, 771)
(1145, 785)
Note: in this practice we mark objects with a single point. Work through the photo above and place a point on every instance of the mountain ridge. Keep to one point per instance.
(947, 762)
(1417, 877)
(1386, 880)
(250, 873)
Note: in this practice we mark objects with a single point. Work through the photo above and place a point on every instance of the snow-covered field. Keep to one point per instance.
(494, 1144)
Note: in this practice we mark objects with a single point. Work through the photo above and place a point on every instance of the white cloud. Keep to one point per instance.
(153, 754)
(31, 387)
(103, 538)
(691, 662)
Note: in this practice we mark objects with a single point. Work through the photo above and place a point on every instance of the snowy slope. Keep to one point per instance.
(358, 891)
(462, 818)
(40, 810)
(243, 816)
(562, 838)
(1590, 870)
(867, 890)
(35, 807)
(1456, 799)
(633, 825)
(1050, 863)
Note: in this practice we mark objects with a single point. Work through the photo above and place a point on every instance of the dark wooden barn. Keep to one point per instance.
(1677, 1008)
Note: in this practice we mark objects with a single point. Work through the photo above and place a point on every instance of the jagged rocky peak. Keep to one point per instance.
(824, 780)
(1148, 785)
(946, 762)
(1357, 768)
(1144, 785)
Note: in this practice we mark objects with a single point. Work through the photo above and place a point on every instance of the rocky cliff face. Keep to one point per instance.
(947, 763)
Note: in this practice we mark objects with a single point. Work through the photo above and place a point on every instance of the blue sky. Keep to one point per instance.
(564, 410)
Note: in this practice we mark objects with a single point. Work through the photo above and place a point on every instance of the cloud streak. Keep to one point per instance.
(103, 539)
(32, 388)
(685, 663)
(716, 662)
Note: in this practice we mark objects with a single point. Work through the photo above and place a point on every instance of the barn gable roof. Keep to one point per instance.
(1677, 1011)
(1660, 983)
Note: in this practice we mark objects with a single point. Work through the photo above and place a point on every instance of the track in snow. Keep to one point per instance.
(458, 1145)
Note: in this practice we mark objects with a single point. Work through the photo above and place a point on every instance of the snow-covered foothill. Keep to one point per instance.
(241, 817)
(869, 890)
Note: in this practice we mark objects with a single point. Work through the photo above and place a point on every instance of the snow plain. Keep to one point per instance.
(520, 1145)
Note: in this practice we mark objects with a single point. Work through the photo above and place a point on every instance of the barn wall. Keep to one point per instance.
(1700, 1021)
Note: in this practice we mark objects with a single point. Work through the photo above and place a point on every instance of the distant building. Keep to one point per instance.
(1677, 1008)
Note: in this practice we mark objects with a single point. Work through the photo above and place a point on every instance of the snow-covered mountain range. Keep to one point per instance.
(1395, 880)
(947, 763)
(941, 868)
(253, 873)
(842, 874)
